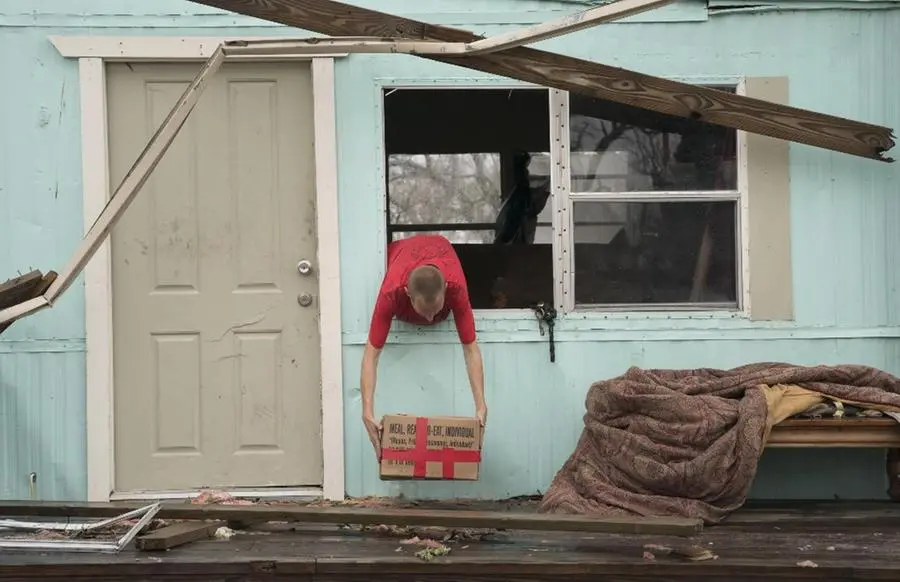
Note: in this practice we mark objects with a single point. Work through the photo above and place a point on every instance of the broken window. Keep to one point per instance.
(473, 166)
(652, 202)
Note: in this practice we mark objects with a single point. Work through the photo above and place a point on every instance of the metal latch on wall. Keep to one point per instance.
(546, 315)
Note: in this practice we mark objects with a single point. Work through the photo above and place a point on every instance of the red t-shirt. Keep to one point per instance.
(404, 256)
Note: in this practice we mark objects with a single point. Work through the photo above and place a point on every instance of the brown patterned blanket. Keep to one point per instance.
(686, 442)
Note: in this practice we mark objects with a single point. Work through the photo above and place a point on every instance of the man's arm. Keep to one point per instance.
(378, 331)
(475, 370)
(464, 319)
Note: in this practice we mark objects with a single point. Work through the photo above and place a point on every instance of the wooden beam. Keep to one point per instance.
(584, 77)
(673, 526)
(177, 534)
(835, 432)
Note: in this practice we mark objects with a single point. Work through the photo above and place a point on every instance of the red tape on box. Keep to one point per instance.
(421, 454)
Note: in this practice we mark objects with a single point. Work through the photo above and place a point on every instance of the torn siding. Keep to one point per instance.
(717, 7)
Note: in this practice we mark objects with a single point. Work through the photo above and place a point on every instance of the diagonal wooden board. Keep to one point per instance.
(674, 526)
(585, 77)
(177, 534)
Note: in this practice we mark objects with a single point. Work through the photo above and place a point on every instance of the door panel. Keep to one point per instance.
(216, 362)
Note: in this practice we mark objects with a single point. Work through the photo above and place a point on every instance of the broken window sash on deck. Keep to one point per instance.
(147, 514)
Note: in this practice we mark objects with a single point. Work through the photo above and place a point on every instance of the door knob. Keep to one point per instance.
(304, 299)
(304, 267)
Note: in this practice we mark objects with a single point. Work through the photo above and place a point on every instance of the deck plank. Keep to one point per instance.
(849, 542)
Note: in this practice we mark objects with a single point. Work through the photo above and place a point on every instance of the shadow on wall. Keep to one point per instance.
(821, 474)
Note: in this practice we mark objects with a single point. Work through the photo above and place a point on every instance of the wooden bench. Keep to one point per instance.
(854, 432)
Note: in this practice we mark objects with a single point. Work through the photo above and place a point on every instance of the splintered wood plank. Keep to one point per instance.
(672, 526)
(176, 534)
(22, 289)
(19, 289)
(584, 77)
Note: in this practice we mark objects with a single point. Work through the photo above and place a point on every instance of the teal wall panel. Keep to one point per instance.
(41, 357)
(844, 244)
(536, 410)
(42, 420)
(845, 289)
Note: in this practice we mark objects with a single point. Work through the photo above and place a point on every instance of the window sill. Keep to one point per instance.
(520, 325)
(712, 330)
(598, 314)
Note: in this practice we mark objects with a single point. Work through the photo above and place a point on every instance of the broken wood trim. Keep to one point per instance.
(376, 44)
(136, 177)
(372, 44)
(15, 290)
(21, 295)
(128, 188)
(584, 77)
(314, 46)
(673, 526)
(567, 24)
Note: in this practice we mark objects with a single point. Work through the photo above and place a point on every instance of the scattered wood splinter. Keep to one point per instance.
(691, 553)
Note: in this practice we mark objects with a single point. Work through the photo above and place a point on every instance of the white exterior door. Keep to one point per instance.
(215, 331)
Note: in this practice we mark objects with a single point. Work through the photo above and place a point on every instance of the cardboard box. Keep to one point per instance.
(435, 447)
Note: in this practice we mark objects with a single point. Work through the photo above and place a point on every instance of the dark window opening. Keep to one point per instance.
(472, 165)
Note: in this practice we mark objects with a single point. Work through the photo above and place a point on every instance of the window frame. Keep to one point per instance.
(561, 200)
(563, 225)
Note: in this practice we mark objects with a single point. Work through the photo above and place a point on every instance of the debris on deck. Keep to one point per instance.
(108, 535)
(825, 541)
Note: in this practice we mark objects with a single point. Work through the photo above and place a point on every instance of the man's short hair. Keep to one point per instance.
(426, 283)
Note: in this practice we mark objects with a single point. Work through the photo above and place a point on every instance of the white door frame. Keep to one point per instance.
(92, 53)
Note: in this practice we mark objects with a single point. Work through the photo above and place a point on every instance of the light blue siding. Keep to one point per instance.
(42, 416)
(42, 419)
(843, 211)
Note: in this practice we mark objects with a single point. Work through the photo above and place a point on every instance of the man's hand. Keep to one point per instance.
(481, 415)
(373, 428)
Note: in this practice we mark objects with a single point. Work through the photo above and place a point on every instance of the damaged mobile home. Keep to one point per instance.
(687, 184)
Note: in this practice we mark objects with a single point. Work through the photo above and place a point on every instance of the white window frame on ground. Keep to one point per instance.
(563, 227)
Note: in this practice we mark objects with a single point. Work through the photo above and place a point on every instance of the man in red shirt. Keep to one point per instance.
(423, 285)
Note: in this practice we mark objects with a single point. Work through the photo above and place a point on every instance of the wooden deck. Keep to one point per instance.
(835, 542)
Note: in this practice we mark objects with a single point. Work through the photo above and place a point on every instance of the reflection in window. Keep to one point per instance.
(480, 237)
(443, 188)
(662, 249)
(618, 148)
(655, 252)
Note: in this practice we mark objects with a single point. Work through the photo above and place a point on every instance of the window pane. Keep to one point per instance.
(441, 188)
(655, 252)
(619, 148)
